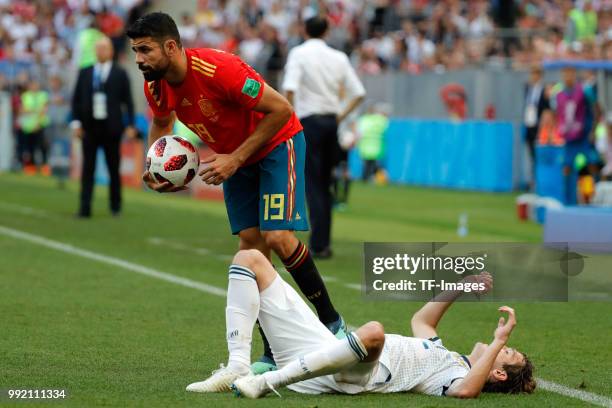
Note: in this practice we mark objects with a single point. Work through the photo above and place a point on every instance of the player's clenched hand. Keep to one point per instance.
(504, 328)
(220, 168)
(165, 187)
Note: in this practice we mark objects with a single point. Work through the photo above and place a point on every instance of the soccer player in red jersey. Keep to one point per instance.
(258, 143)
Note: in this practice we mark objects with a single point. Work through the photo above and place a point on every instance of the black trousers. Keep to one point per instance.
(92, 140)
(321, 132)
(370, 168)
(531, 134)
(33, 142)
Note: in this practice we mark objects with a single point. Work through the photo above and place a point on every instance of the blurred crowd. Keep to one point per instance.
(42, 46)
(43, 43)
(409, 35)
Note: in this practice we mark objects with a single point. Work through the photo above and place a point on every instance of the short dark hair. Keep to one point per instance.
(159, 26)
(520, 379)
(316, 27)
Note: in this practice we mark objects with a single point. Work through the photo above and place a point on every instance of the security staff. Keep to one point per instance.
(101, 98)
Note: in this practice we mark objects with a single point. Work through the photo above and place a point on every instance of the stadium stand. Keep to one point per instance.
(52, 38)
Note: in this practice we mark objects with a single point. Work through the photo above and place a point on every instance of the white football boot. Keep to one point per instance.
(252, 386)
(220, 381)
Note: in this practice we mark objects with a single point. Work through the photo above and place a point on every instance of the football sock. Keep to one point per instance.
(240, 316)
(335, 357)
(303, 270)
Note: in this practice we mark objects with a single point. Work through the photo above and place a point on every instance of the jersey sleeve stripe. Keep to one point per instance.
(202, 67)
(204, 63)
(208, 74)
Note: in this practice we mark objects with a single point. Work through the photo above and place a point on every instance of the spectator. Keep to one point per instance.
(11, 67)
(59, 108)
(33, 120)
(371, 128)
(188, 30)
(85, 45)
(572, 105)
(272, 56)
(454, 98)
(548, 130)
(582, 23)
(112, 26)
(279, 18)
(250, 47)
(536, 102)
(58, 136)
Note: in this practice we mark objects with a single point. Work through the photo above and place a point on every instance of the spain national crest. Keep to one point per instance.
(208, 109)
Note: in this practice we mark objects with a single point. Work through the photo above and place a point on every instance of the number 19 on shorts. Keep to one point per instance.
(274, 204)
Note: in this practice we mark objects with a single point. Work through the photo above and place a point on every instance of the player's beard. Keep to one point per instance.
(151, 74)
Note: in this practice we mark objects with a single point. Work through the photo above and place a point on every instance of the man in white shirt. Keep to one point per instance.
(319, 81)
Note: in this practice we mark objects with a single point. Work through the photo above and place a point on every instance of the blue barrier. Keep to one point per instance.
(473, 155)
(549, 178)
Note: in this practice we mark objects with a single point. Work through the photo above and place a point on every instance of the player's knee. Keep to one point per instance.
(372, 335)
(249, 239)
(249, 258)
(279, 241)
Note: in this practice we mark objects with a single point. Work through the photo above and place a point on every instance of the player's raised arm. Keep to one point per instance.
(471, 385)
(425, 321)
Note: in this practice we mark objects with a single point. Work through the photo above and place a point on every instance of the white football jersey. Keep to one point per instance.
(424, 366)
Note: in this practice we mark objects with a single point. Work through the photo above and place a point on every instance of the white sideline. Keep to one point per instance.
(143, 270)
(214, 290)
(594, 399)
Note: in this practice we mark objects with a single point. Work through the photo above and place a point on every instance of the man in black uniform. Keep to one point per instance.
(101, 97)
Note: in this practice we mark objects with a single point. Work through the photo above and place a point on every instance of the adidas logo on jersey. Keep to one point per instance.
(297, 216)
(185, 102)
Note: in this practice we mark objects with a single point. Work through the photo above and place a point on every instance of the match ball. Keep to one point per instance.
(173, 159)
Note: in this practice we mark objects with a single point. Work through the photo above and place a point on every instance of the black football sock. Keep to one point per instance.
(303, 270)
(266, 344)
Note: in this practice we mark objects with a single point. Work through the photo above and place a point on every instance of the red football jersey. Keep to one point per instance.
(216, 101)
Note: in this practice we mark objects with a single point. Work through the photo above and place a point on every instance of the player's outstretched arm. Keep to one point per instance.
(471, 385)
(425, 321)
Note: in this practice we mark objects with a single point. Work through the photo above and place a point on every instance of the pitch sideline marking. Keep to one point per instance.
(214, 290)
(594, 399)
(143, 270)
(25, 210)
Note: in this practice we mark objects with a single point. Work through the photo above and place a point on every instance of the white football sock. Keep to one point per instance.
(240, 316)
(331, 359)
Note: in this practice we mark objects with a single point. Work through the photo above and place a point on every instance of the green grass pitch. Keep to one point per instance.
(115, 338)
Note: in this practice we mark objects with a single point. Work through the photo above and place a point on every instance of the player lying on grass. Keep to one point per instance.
(312, 361)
